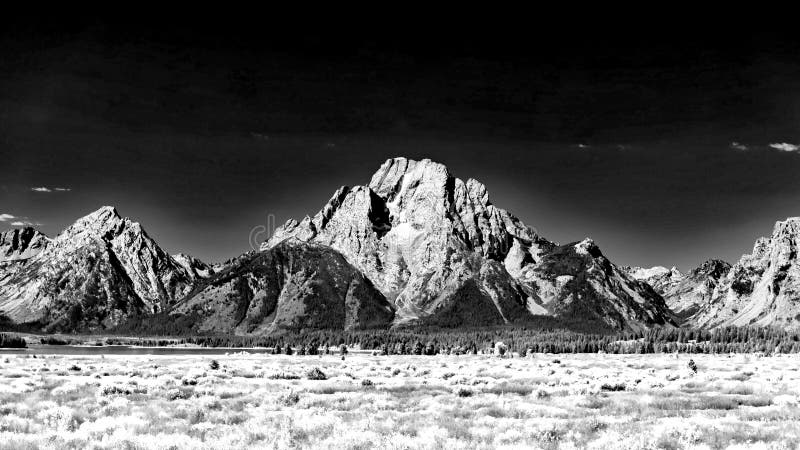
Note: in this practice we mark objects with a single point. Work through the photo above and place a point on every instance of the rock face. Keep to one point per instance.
(292, 286)
(685, 294)
(21, 244)
(659, 278)
(443, 254)
(98, 272)
(196, 268)
(763, 288)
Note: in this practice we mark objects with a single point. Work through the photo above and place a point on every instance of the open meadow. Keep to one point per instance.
(477, 401)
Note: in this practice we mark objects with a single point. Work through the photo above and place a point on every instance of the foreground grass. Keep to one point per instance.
(265, 401)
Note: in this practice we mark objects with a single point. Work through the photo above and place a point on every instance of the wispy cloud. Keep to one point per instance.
(49, 189)
(15, 221)
(25, 223)
(785, 147)
(738, 146)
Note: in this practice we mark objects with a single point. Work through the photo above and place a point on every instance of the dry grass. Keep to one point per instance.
(266, 401)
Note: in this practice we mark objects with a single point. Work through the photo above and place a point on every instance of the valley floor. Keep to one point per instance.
(266, 401)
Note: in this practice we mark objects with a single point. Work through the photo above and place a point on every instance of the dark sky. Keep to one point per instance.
(657, 144)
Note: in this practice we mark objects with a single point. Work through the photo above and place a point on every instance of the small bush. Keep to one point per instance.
(542, 394)
(461, 392)
(744, 376)
(612, 387)
(74, 368)
(179, 394)
(290, 399)
(367, 382)
(114, 390)
(283, 376)
(316, 374)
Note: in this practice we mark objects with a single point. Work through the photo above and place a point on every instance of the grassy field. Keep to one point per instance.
(266, 401)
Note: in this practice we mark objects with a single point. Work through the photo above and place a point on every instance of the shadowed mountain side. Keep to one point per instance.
(293, 286)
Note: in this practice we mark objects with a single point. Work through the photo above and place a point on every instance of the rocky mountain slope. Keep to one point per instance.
(21, 244)
(292, 286)
(685, 294)
(443, 254)
(659, 277)
(97, 273)
(762, 288)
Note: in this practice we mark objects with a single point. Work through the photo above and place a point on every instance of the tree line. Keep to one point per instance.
(520, 340)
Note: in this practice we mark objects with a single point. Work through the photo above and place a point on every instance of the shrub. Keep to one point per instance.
(461, 392)
(290, 399)
(179, 394)
(367, 382)
(316, 374)
(74, 368)
(283, 376)
(114, 390)
(542, 394)
(612, 387)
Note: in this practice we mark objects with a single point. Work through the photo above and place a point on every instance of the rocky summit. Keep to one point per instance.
(443, 254)
(97, 273)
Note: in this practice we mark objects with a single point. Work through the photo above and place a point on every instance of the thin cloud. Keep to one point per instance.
(785, 147)
(738, 146)
(6, 217)
(47, 189)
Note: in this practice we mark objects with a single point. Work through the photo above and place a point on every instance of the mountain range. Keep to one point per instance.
(414, 246)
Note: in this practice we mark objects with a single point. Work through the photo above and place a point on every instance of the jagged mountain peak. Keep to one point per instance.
(395, 173)
(21, 244)
(712, 267)
(588, 247)
(425, 238)
(101, 222)
(103, 214)
(98, 272)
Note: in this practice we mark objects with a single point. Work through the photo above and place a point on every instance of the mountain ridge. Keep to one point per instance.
(416, 246)
(412, 228)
